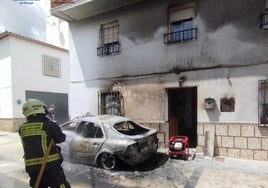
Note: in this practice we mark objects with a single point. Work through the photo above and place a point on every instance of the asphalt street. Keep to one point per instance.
(158, 172)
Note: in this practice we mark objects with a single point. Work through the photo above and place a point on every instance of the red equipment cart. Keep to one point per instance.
(179, 147)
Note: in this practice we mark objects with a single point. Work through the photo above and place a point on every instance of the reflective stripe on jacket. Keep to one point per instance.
(35, 142)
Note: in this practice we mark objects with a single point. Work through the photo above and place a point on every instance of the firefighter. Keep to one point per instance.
(36, 134)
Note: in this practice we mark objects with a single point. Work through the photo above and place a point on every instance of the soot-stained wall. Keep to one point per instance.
(229, 38)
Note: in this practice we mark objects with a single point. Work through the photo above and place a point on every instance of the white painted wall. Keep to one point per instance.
(242, 85)
(24, 72)
(31, 77)
(5, 80)
(83, 92)
(57, 32)
(83, 99)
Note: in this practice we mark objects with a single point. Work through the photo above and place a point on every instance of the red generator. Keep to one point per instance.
(179, 147)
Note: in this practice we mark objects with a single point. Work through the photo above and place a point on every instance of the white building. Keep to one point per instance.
(185, 67)
(31, 69)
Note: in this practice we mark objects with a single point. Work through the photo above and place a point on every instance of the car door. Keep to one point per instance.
(69, 129)
(89, 141)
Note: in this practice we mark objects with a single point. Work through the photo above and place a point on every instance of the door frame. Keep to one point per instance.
(192, 92)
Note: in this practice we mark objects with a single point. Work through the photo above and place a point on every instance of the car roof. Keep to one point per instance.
(111, 119)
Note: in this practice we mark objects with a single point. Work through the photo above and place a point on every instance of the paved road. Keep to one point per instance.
(159, 172)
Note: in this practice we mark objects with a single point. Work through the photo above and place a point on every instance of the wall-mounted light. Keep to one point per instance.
(181, 80)
(228, 77)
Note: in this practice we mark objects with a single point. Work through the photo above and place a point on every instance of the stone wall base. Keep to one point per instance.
(11, 125)
(162, 132)
(237, 140)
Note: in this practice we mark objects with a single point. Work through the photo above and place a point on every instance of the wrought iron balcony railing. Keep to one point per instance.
(180, 36)
(109, 49)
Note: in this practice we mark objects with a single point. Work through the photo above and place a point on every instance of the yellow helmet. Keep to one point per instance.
(33, 106)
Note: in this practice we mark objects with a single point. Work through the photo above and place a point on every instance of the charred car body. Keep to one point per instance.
(104, 140)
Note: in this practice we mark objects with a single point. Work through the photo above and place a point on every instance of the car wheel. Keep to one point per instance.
(108, 161)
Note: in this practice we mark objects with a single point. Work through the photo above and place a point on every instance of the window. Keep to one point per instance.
(263, 102)
(51, 66)
(110, 102)
(109, 39)
(265, 16)
(70, 126)
(182, 30)
(181, 27)
(89, 130)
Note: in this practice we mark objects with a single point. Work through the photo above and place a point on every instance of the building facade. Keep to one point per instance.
(184, 67)
(31, 69)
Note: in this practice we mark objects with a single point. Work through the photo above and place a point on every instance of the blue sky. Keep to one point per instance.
(25, 17)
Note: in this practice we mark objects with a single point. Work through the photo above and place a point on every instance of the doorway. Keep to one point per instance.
(182, 113)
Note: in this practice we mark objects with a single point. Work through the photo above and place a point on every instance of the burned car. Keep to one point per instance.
(105, 140)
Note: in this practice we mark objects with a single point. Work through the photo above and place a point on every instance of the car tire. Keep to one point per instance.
(108, 161)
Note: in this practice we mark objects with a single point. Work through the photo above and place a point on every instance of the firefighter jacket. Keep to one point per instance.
(36, 135)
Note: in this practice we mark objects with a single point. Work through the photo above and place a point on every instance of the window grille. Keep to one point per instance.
(109, 39)
(110, 102)
(108, 49)
(51, 66)
(263, 102)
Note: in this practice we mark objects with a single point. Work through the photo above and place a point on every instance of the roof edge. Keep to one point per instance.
(8, 33)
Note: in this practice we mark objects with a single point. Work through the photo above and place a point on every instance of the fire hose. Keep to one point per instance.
(39, 177)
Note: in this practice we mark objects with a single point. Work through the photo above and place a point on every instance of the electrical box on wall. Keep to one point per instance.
(209, 103)
(227, 104)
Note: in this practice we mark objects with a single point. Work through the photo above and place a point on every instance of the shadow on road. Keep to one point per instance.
(157, 160)
(93, 176)
(154, 162)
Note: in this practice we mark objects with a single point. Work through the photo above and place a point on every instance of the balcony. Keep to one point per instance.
(112, 48)
(80, 9)
(180, 36)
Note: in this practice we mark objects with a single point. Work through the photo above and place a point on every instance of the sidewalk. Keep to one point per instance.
(12, 173)
(230, 172)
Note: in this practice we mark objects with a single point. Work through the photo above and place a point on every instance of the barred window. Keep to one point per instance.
(109, 33)
(111, 102)
(51, 66)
